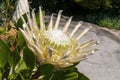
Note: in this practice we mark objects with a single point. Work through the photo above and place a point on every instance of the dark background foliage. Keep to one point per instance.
(102, 12)
(76, 5)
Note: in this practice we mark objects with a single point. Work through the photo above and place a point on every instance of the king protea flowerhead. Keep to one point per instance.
(55, 46)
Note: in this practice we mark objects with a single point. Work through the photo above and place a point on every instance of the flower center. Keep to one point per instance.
(57, 37)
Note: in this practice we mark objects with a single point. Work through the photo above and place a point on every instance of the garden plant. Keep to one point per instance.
(33, 49)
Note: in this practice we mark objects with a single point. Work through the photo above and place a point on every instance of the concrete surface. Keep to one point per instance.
(105, 63)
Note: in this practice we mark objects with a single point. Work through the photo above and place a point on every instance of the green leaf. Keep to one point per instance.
(21, 66)
(46, 69)
(65, 74)
(2, 30)
(71, 68)
(5, 71)
(11, 40)
(19, 23)
(4, 53)
(70, 73)
(82, 76)
(0, 75)
(14, 58)
(12, 76)
(25, 74)
(71, 76)
(29, 58)
(21, 41)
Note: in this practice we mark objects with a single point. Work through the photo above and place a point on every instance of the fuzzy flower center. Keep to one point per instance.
(57, 37)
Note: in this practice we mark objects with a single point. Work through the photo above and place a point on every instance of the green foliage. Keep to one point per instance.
(110, 23)
(70, 73)
(2, 13)
(98, 4)
(22, 66)
(0, 75)
(2, 30)
(70, 5)
(4, 53)
(107, 19)
(94, 4)
(7, 8)
(21, 41)
(47, 69)
(29, 58)
(14, 58)
(110, 20)
(52, 5)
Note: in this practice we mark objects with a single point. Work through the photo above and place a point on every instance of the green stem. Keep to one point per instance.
(51, 76)
(0, 75)
(11, 71)
(21, 76)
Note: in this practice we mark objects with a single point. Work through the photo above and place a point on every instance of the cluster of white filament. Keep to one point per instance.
(52, 45)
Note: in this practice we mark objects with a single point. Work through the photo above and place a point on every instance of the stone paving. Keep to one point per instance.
(105, 63)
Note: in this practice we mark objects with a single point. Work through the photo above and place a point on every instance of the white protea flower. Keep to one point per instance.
(53, 45)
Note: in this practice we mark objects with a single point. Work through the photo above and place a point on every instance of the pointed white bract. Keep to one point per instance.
(50, 26)
(52, 45)
(67, 25)
(34, 22)
(42, 24)
(58, 20)
(81, 34)
(75, 29)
